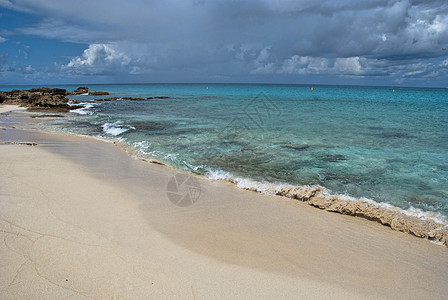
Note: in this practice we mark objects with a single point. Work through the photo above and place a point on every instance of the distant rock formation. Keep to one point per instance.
(55, 99)
(158, 97)
(131, 98)
(81, 90)
(40, 98)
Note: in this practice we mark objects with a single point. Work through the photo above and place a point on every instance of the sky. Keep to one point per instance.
(353, 42)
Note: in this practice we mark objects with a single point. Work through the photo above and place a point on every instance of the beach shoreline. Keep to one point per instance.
(85, 206)
(5, 108)
(423, 224)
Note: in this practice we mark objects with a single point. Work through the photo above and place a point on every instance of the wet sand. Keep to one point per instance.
(82, 219)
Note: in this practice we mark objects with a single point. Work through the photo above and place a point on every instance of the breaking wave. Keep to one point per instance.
(116, 128)
(85, 110)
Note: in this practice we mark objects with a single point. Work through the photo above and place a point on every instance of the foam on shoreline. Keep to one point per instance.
(115, 128)
(423, 224)
(429, 225)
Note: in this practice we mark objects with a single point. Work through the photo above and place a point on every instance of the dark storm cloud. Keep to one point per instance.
(376, 38)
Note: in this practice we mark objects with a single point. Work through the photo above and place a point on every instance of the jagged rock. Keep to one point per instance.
(3, 97)
(81, 90)
(44, 90)
(40, 98)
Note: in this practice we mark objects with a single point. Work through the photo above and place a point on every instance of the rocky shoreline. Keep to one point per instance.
(41, 98)
(55, 98)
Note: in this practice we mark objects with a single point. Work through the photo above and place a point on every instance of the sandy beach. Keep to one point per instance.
(81, 219)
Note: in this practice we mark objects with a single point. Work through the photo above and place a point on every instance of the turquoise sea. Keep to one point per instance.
(389, 145)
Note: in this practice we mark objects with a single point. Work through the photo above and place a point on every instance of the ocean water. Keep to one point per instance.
(388, 145)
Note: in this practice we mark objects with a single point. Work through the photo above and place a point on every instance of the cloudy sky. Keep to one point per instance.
(369, 42)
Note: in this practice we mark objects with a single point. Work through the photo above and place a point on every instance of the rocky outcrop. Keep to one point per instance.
(40, 98)
(131, 98)
(81, 90)
(48, 101)
(54, 91)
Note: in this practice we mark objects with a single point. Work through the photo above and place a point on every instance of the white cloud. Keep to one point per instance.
(336, 38)
(97, 59)
(313, 65)
(264, 55)
(312, 28)
(2, 39)
(268, 68)
(304, 65)
(349, 65)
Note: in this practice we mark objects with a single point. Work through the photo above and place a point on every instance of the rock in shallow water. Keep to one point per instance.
(81, 90)
(296, 147)
(333, 157)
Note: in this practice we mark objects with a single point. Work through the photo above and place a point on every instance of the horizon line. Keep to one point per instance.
(226, 83)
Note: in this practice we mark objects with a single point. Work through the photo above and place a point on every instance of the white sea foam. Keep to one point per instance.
(426, 215)
(82, 111)
(192, 167)
(142, 147)
(219, 175)
(431, 225)
(89, 105)
(85, 110)
(170, 156)
(116, 128)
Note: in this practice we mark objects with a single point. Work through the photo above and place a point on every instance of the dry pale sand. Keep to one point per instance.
(79, 218)
(7, 108)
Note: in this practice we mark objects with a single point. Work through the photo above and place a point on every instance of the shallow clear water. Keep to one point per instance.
(389, 146)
